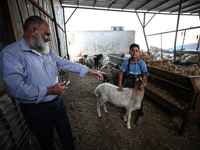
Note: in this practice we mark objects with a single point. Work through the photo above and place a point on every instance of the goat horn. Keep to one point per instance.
(141, 78)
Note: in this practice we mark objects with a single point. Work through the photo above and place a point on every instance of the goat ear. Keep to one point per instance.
(97, 95)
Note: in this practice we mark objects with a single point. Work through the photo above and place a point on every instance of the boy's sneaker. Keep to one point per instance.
(139, 120)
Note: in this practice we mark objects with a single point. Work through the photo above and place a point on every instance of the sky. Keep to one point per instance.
(96, 20)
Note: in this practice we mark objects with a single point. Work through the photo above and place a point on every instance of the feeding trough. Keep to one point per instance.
(189, 83)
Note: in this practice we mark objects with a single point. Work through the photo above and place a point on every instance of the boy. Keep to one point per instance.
(134, 66)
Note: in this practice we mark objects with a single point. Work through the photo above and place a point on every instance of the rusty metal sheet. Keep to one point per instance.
(51, 42)
(62, 42)
(16, 20)
(40, 8)
(40, 2)
(45, 5)
(58, 13)
(37, 11)
(54, 42)
(30, 8)
(23, 10)
(42, 15)
(49, 8)
(36, 1)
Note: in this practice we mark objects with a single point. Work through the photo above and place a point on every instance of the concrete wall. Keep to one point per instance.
(99, 42)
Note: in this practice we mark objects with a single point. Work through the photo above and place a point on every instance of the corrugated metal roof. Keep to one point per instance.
(191, 7)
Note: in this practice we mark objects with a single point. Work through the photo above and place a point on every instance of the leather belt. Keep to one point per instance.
(41, 103)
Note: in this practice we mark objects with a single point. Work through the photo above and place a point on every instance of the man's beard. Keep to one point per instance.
(40, 44)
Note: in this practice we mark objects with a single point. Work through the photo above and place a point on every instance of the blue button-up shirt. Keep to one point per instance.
(27, 74)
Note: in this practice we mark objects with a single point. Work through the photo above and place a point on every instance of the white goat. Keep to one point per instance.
(130, 98)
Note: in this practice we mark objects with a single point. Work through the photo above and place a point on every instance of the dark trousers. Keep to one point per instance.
(42, 117)
(139, 111)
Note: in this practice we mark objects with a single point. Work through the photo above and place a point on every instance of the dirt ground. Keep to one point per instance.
(158, 131)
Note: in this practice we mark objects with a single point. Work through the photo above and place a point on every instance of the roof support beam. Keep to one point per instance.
(196, 8)
(198, 43)
(143, 4)
(94, 3)
(174, 31)
(110, 5)
(150, 20)
(199, 38)
(195, 11)
(65, 34)
(179, 11)
(169, 7)
(161, 46)
(71, 15)
(143, 26)
(139, 19)
(158, 5)
(127, 4)
(183, 43)
(186, 6)
(127, 11)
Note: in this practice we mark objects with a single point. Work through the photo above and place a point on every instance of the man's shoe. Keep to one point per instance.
(139, 121)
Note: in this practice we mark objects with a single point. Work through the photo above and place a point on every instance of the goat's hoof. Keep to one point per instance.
(124, 117)
(129, 127)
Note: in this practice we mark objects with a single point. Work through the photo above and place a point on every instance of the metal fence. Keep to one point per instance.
(14, 131)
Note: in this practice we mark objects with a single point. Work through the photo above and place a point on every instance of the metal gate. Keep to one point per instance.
(14, 131)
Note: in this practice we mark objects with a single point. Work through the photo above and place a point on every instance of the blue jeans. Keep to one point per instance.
(42, 117)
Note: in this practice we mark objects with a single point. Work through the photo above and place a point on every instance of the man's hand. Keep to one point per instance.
(97, 74)
(120, 88)
(57, 89)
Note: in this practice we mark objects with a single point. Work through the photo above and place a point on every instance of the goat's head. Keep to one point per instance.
(141, 79)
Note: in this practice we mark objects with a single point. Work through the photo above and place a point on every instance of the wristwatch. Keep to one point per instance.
(89, 71)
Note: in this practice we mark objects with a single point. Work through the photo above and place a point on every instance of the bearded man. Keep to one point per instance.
(29, 69)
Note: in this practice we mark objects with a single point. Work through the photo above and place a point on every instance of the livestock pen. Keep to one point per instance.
(192, 84)
(158, 131)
